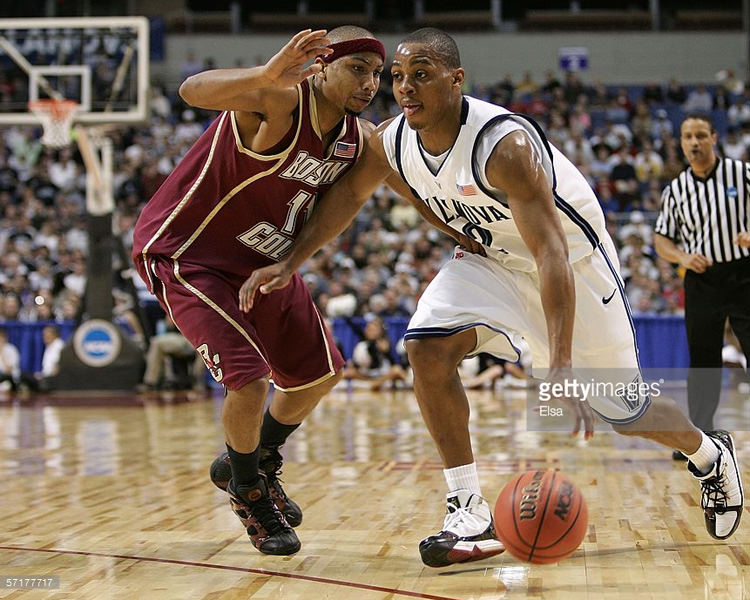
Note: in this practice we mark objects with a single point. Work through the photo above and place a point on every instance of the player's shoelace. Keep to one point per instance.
(460, 519)
(263, 510)
(271, 466)
(266, 513)
(270, 461)
(714, 493)
(274, 481)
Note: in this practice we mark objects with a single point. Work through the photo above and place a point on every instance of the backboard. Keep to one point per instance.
(102, 63)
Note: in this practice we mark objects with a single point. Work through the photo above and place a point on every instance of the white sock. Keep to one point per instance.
(705, 456)
(464, 477)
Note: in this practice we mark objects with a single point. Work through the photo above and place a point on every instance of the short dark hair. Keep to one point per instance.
(443, 45)
(701, 116)
(348, 32)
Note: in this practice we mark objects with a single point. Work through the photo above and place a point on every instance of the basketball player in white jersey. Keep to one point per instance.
(550, 275)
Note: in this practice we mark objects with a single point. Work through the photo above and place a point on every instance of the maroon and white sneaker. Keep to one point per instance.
(468, 533)
(268, 530)
(270, 465)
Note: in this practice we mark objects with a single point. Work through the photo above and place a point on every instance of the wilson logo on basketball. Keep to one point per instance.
(541, 516)
(527, 508)
(563, 500)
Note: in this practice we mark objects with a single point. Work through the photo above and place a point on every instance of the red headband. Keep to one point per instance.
(351, 46)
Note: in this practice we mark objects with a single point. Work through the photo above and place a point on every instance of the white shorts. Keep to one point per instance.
(505, 307)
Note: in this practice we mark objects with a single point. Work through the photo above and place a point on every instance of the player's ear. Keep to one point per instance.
(458, 77)
(323, 65)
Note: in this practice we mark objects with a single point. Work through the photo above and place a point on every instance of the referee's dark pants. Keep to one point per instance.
(722, 291)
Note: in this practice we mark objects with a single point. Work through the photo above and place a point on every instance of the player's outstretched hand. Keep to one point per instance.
(286, 67)
(268, 279)
(470, 244)
(580, 408)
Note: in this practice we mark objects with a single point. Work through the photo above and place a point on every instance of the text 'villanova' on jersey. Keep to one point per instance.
(459, 194)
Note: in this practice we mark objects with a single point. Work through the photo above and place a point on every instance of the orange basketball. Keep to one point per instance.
(541, 517)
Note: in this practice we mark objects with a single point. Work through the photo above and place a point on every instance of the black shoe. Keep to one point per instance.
(270, 464)
(221, 471)
(677, 455)
(468, 533)
(268, 530)
(722, 497)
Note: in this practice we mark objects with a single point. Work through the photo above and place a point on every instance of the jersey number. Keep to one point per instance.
(268, 240)
(478, 233)
(295, 205)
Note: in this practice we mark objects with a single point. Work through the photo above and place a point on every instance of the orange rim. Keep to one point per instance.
(57, 109)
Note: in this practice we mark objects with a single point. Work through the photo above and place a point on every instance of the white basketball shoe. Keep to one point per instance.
(722, 497)
(468, 533)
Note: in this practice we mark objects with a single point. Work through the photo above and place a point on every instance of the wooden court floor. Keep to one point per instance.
(115, 501)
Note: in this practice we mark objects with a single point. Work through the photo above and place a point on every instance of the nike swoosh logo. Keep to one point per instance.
(606, 300)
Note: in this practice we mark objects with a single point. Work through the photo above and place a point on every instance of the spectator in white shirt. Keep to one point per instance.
(733, 147)
(699, 100)
(10, 363)
(76, 281)
(636, 226)
(739, 112)
(44, 380)
(53, 346)
(64, 172)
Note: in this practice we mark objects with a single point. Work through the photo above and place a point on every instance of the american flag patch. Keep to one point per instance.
(345, 150)
(466, 190)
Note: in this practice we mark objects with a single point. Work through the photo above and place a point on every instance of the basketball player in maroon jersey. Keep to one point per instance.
(234, 204)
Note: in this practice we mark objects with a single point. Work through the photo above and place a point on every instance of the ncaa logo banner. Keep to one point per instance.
(97, 343)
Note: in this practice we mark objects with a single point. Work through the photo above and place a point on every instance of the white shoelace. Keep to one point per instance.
(463, 522)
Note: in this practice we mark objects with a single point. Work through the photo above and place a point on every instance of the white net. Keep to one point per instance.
(56, 117)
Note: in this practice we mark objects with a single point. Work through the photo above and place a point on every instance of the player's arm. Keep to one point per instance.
(331, 216)
(398, 185)
(260, 89)
(515, 167)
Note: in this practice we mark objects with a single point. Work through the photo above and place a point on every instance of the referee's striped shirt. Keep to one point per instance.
(704, 215)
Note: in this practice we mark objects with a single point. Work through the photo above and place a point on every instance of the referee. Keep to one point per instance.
(704, 226)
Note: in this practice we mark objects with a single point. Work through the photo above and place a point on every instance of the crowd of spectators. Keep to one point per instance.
(622, 139)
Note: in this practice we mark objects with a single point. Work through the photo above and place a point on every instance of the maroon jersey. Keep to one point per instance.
(232, 210)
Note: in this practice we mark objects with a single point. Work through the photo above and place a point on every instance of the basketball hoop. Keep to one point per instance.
(56, 117)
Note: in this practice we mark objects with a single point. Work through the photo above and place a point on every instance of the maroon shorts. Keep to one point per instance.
(283, 334)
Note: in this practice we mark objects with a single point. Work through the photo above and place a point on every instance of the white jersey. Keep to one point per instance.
(460, 195)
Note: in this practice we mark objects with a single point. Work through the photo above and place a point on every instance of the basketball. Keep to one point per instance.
(541, 517)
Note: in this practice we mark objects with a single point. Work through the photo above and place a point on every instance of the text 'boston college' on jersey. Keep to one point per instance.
(227, 208)
(458, 193)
